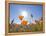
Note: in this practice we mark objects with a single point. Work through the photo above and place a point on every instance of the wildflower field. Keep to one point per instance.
(38, 27)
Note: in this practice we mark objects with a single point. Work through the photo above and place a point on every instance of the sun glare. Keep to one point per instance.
(24, 13)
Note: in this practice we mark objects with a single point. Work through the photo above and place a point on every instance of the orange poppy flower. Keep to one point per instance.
(21, 17)
(24, 22)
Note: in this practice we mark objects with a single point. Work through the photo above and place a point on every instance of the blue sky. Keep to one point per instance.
(18, 9)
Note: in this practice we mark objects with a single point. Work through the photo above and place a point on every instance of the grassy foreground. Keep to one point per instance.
(38, 27)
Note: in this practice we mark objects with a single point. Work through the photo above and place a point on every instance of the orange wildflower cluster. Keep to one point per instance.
(24, 22)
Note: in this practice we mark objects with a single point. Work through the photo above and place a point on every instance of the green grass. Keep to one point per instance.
(38, 27)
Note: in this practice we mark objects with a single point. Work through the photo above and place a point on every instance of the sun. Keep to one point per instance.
(24, 13)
